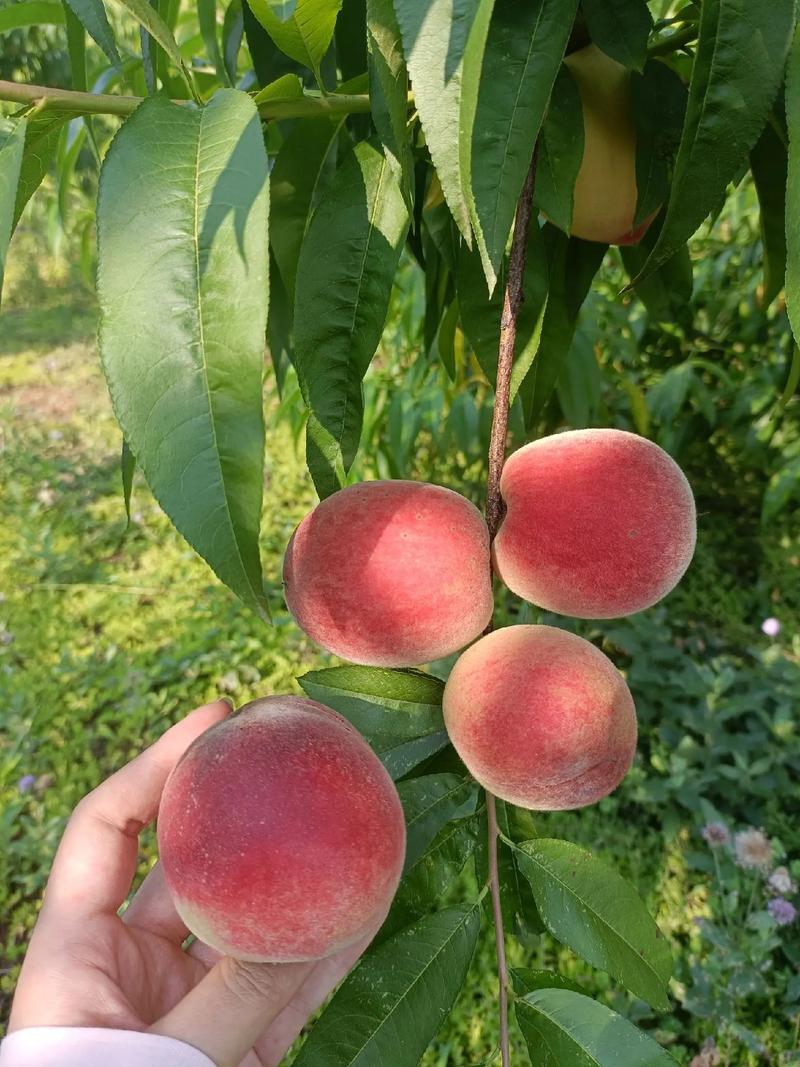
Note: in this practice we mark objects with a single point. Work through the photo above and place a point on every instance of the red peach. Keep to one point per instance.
(599, 523)
(281, 834)
(541, 718)
(390, 573)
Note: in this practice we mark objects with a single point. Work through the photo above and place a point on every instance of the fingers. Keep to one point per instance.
(325, 975)
(152, 909)
(96, 860)
(236, 1002)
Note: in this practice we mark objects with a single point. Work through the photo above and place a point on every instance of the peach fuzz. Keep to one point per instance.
(599, 523)
(281, 834)
(606, 193)
(390, 573)
(541, 718)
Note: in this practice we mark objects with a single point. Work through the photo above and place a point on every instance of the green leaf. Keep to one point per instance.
(738, 70)
(182, 282)
(232, 34)
(304, 163)
(620, 28)
(207, 20)
(287, 87)
(351, 38)
(76, 47)
(792, 378)
(390, 1007)
(782, 487)
(560, 152)
(658, 99)
(150, 21)
(388, 92)
(443, 41)
(769, 164)
(12, 147)
(792, 280)
(667, 291)
(344, 280)
(523, 53)
(528, 979)
(127, 466)
(432, 873)
(480, 313)
(302, 29)
(30, 13)
(572, 264)
(591, 909)
(401, 757)
(42, 132)
(385, 705)
(92, 16)
(429, 803)
(567, 1029)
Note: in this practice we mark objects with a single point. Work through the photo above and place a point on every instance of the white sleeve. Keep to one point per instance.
(72, 1046)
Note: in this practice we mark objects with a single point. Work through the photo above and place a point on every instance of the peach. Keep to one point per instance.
(390, 573)
(281, 834)
(598, 524)
(541, 718)
(605, 190)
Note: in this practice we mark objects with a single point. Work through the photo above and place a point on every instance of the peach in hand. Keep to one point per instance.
(599, 523)
(390, 573)
(281, 834)
(541, 718)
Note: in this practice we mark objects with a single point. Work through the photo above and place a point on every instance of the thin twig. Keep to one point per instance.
(512, 300)
(306, 106)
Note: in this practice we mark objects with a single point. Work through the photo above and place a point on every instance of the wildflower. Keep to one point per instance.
(708, 1056)
(780, 881)
(46, 496)
(771, 627)
(26, 783)
(716, 833)
(753, 850)
(782, 911)
(6, 637)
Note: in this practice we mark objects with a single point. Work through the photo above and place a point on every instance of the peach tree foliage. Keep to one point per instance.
(271, 162)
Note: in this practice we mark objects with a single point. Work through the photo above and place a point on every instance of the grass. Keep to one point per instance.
(109, 633)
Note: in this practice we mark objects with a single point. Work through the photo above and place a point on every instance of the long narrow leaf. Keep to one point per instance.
(182, 281)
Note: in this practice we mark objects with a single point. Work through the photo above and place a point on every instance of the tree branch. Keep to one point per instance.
(49, 98)
(512, 300)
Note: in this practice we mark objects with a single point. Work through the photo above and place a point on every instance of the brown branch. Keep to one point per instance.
(512, 301)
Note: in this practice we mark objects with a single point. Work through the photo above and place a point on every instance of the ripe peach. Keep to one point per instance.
(541, 718)
(390, 573)
(281, 835)
(599, 523)
(605, 191)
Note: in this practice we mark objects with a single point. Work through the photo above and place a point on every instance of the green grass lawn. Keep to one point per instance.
(108, 633)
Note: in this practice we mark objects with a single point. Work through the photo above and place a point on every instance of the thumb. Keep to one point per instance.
(227, 1011)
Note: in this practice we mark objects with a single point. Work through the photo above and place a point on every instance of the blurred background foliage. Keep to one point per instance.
(109, 631)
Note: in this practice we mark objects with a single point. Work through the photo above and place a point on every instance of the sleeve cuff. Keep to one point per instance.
(66, 1046)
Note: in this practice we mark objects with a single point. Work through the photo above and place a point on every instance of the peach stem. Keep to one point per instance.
(512, 300)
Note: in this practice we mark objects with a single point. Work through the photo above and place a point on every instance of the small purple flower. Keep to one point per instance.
(26, 783)
(771, 627)
(716, 833)
(782, 911)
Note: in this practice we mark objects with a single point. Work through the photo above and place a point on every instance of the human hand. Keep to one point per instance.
(88, 966)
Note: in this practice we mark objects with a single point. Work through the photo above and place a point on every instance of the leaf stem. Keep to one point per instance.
(675, 41)
(44, 96)
(512, 300)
